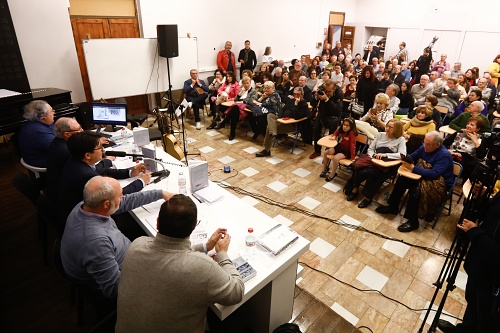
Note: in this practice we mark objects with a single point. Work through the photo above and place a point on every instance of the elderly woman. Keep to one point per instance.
(376, 119)
(313, 81)
(37, 134)
(462, 145)
(269, 102)
(417, 127)
(474, 109)
(249, 73)
(387, 145)
(237, 111)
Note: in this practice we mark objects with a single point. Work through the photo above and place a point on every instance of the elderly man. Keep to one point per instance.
(307, 92)
(329, 103)
(419, 91)
(402, 54)
(296, 73)
(375, 64)
(448, 95)
(482, 84)
(441, 82)
(303, 63)
(369, 54)
(296, 108)
(475, 108)
(433, 77)
(457, 70)
(196, 92)
(247, 58)
(37, 133)
(225, 59)
(178, 281)
(92, 247)
(396, 77)
(405, 71)
(338, 49)
(441, 65)
(431, 161)
(324, 62)
(86, 150)
(392, 91)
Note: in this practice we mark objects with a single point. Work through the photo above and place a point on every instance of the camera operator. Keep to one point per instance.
(482, 267)
(329, 103)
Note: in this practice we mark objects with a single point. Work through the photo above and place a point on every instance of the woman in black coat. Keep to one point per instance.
(366, 88)
(423, 64)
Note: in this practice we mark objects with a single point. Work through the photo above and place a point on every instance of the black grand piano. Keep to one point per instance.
(11, 107)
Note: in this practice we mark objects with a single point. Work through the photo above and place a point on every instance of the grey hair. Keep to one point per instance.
(36, 110)
(395, 88)
(300, 89)
(279, 69)
(93, 197)
(62, 125)
(269, 84)
(438, 137)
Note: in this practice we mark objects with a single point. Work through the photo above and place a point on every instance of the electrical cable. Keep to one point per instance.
(366, 328)
(152, 69)
(341, 223)
(369, 290)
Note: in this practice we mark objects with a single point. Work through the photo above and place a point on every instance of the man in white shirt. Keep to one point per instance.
(392, 91)
(419, 91)
(337, 75)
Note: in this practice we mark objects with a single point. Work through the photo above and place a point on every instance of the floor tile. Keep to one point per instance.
(231, 142)
(249, 172)
(251, 150)
(277, 186)
(334, 187)
(321, 247)
(444, 315)
(344, 313)
(298, 151)
(283, 220)
(226, 159)
(212, 133)
(206, 149)
(309, 203)
(371, 278)
(249, 200)
(395, 247)
(349, 220)
(461, 280)
(191, 140)
(301, 172)
(319, 160)
(274, 160)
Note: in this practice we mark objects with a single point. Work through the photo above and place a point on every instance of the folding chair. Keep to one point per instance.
(361, 146)
(457, 172)
(294, 134)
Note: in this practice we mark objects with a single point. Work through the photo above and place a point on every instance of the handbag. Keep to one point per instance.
(199, 91)
(356, 108)
(364, 161)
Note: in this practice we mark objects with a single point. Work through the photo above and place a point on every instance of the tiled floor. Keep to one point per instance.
(362, 259)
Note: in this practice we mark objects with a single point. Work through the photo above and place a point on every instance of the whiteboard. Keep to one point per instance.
(120, 67)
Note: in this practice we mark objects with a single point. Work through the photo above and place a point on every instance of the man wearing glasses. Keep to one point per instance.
(431, 161)
(86, 150)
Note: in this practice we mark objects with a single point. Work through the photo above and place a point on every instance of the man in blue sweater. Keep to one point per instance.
(434, 153)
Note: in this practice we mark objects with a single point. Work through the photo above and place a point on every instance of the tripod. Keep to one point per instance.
(483, 175)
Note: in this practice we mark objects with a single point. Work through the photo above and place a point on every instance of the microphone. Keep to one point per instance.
(160, 175)
(122, 154)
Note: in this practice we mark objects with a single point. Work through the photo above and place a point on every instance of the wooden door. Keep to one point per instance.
(348, 35)
(87, 28)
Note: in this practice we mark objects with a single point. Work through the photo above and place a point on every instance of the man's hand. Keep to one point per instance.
(223, 244)
(146, 178)
(104, 140)
(408, 166)
(467, 225)
(138, 169)
(217, 235)
(242, 61)
(167, 195)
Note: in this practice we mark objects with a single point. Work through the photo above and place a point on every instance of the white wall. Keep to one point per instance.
(291, 28)
(451, 20)
(45, 38)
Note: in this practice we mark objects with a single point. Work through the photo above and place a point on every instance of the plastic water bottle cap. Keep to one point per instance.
(250, 230)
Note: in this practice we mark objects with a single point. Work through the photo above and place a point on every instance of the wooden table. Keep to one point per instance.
(496, 114)
(290, 120)
(408, 174)
(327, 141)
(385, 164)
(231, 103)
(446, 130)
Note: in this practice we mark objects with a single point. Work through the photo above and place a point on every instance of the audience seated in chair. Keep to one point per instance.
(196, 92)
(448, 95)
(415, 130)
(227, 92)
(377, 117)
(474, 109)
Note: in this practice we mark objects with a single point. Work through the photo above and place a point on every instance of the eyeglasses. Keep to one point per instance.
(75, 130)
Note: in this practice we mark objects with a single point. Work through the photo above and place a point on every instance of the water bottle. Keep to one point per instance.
(124, 133)
(182, 184)
(250, 245)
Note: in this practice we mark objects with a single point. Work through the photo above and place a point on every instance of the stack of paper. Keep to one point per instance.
(277, 239)
(208, 195)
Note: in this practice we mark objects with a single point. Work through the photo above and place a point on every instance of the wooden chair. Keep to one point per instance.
(444, 113)
(361, 146)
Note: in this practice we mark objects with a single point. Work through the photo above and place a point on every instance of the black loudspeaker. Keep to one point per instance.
(168, 40)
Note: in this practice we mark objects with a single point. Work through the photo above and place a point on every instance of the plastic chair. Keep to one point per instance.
(457, 172)
(33, 169)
